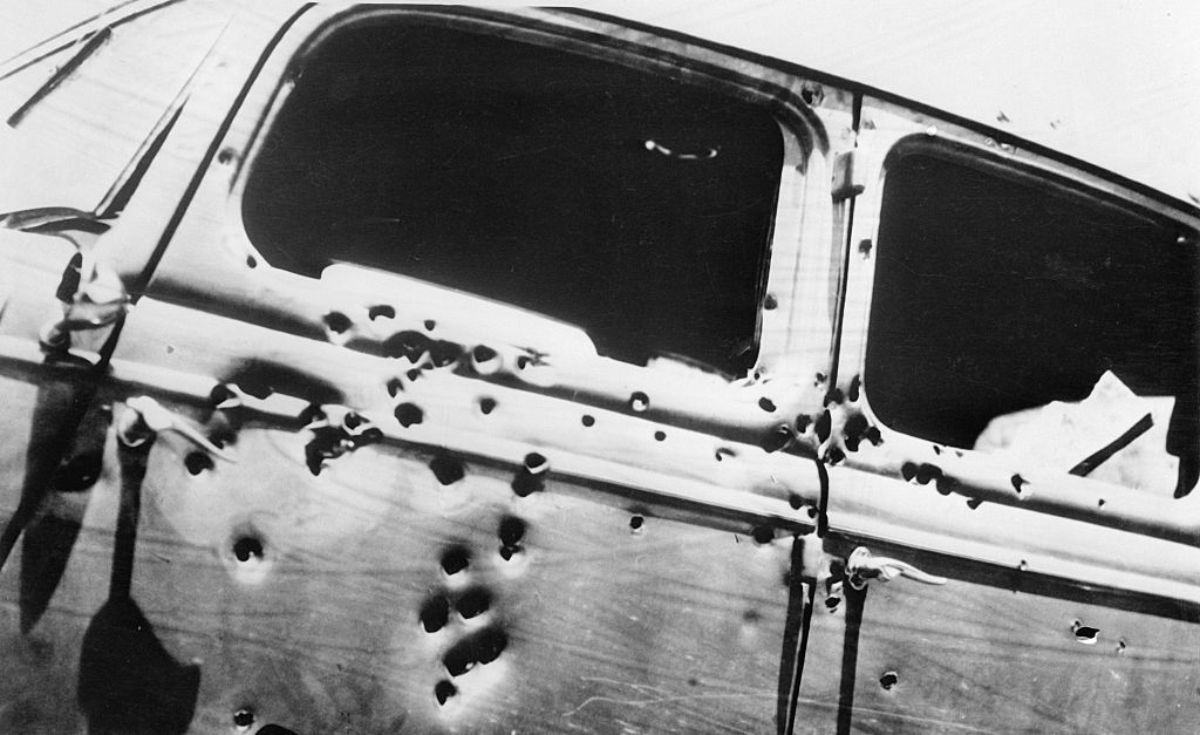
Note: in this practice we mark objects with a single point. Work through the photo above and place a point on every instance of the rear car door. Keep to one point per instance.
(1012, 443)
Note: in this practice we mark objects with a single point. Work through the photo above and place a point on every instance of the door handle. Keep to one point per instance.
(144, 418)
(862, 566)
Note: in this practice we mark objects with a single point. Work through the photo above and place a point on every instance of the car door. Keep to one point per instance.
(373, 474)
(1012, 445)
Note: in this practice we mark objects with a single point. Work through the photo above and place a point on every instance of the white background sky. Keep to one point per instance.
(1120, 78)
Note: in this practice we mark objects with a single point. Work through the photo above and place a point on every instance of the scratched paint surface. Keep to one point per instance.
(968, 658)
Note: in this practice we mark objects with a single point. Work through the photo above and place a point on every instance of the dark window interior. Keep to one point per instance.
(993, 295)
(621, 200)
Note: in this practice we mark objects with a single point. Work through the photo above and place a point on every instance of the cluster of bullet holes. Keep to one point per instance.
(470, 603)
(475, 648)
(531, 477)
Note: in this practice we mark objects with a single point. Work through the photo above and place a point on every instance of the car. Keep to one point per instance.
(432, 369)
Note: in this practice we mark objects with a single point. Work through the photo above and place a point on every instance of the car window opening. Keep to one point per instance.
(1009, 317)
(620, 200)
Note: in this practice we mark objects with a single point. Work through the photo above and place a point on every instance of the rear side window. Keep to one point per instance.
(994, 295)
(623, 200)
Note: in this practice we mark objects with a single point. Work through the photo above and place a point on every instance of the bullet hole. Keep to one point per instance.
(337, 322)
(246, 548)
(588, 420)
(473, 603)
(435, 613)
(835, 396)
(225, 156)
(444, 353)
(407, 344)
(413, 374)
(447, 469)
(723, 452)
(508, 552)
(812, 94)
(779, 438)
(481, 648)
(487, 405)
(394, 386)
(824, 426)
(243, 719)
(1085, 634)
(864, 248)
(802, 423)
(1100, 503)
(770, 302)
(512, 531)
(381, 311)
(821, 378)
(1121, 647)
(639, 402)
(889, 680)
(908, 471)
(832, 601)
(455, 560)
(1022, 565)
(795, 501)
(812, 512)
(974, 503)
(636, 523)
(763, 534)
(408, 414)
(1019, 483)
(251, 261)
(197, 462)
(872, 435)
(854, 430)
(766, 404)
(660, 436)
(443, 691)
(835, 455)
(927, 473)
(526, 484)
(485, 360)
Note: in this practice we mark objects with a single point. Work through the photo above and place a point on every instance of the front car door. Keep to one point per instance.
(452, 400)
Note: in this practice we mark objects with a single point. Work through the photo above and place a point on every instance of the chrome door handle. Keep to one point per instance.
(862, 566)
(144, 418)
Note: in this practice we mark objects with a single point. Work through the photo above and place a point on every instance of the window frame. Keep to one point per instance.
(803, 183)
